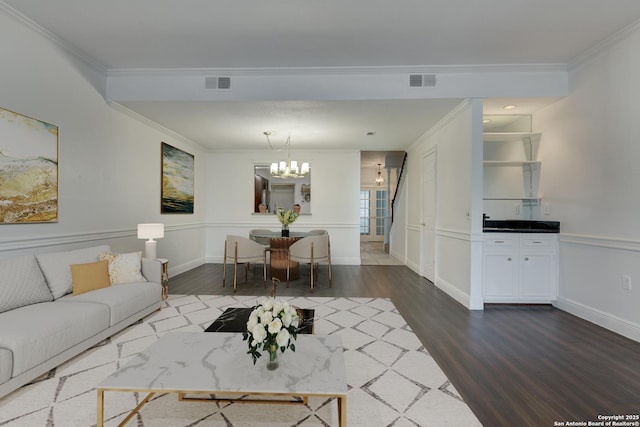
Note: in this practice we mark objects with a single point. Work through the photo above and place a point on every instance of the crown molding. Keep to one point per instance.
(375, 70)
(155, 125)
(466, 103)
(605, 44)
(273, 71)
(81, 55)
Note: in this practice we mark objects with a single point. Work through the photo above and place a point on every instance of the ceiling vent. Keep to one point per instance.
(422, 80)
(217, 82)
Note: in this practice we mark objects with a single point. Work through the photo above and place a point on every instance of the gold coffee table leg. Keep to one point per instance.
(137, 409)
(342, 411)
(100, 411)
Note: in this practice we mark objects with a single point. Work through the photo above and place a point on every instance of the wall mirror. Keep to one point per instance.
(271, 193)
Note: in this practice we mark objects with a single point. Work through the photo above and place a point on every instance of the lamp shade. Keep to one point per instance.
(150, 231)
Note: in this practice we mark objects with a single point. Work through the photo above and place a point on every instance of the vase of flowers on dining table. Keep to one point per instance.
(286, 218)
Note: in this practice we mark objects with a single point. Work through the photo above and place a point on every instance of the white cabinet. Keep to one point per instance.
(500, 268)
(520, 268)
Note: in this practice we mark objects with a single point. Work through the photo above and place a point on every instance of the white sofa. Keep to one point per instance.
(42, 324)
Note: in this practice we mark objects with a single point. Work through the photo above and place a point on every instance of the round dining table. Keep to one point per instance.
(279, 252)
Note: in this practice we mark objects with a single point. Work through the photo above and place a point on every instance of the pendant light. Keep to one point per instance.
(287, 168)
(379, 178)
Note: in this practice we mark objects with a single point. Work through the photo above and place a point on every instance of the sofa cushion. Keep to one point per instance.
(6, 364)
(122, 301)
(124, 268)
(55, 267)
(37, 332)
(21, 283)
(89, 277)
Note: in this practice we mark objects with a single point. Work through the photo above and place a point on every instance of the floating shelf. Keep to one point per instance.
(530, 167)
(510, 162)
(509, 136)
(512, 198)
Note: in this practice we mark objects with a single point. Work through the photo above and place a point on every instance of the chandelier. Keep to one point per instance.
(288, 168)
(379, 178)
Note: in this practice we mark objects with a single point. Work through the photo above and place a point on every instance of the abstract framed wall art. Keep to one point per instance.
(28, 169)
(177, 181)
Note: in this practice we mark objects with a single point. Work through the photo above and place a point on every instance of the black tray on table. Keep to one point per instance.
(234, 319)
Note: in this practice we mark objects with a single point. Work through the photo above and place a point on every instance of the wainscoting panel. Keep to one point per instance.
(591, 281)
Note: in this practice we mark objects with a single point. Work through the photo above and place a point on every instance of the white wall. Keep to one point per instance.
(590, 176)
(109, 162)
(335, 195)
(458, 142)
(109, 169)
(398, 246)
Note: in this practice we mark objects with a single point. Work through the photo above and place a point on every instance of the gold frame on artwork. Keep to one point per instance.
(28, 169)
(177, 181)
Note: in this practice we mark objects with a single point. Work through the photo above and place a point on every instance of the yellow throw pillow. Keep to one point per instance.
(89, 277)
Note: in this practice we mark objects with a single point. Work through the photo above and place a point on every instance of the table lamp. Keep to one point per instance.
(150, 231)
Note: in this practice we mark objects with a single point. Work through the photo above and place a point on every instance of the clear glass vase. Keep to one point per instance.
(285, 230)
(273, 358)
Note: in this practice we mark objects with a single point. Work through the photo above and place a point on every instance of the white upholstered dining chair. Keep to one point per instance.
(318, 232)
(243, 251)
(258, 235)
(311, 250)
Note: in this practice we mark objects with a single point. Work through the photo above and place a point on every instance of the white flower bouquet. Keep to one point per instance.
(287, 217)
(272, 325)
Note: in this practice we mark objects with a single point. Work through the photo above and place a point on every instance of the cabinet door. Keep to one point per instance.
(537, 277)
(500, 277)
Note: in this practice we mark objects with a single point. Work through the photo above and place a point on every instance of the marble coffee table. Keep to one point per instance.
(217, 363)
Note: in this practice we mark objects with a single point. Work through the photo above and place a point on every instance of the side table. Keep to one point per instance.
(164, 279)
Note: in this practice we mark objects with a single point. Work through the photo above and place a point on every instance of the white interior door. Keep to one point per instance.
(373, 213)
(428, 225)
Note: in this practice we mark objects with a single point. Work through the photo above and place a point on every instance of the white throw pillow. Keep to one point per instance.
(124, 268)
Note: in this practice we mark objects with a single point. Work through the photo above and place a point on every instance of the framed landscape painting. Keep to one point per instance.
(177, 181)
(28, 169)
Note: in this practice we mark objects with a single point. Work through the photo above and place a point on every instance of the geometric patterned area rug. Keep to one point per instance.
(392, 380)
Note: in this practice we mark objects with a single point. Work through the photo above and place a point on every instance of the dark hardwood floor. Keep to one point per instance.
(513, 365)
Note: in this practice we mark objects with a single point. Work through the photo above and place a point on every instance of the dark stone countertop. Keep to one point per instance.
(520, 226)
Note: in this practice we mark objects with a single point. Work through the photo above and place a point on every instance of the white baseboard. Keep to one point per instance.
(175, 270)
(601, 318)
(345, 261)
(453, 292)
(397, 255)
(413, 266)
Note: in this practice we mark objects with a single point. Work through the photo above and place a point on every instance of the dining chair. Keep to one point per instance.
(318, 232)
(311, 250)
(243, 251)
(258, 235)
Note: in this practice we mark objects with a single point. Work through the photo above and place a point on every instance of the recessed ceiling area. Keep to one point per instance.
(311, 124)
(230, 125)
(522, 105)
